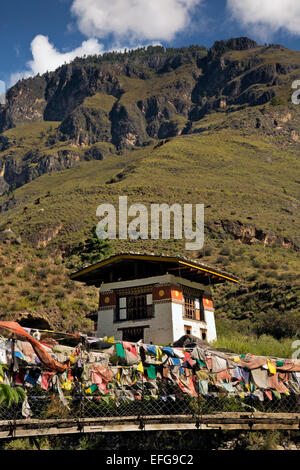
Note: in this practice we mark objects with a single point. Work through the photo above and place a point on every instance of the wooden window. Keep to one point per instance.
(133, 335)
(203, 334)
(135, 307)
(187, 330)
(189, 308)
(193, 308)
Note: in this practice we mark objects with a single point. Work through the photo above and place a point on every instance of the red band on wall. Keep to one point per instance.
(207, 301)
(167, 292)
(107, 300)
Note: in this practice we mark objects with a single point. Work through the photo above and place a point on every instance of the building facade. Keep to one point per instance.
(158, 309)
(153, 299)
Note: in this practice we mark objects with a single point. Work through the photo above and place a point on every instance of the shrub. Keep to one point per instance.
(60, 294)
(42, 273)
(273, 266)
(276, 101)
(205, 252)
(225, 251)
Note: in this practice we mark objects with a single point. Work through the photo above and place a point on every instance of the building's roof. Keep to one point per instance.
(127, 266)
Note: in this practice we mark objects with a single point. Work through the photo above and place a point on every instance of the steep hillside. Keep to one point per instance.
(176, 126)
(101, 105)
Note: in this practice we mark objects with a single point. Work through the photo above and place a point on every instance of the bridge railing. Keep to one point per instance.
(44, 405)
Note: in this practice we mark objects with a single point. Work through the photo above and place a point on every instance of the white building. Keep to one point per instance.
(154, 298)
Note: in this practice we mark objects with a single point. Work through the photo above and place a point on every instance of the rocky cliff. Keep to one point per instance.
(129, 100)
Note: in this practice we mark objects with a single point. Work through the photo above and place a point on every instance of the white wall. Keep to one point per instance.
(160, 331)
(179, 323)
(166, 326)
(161, 326)
(105, 323)
(168, 323)
(211, 325)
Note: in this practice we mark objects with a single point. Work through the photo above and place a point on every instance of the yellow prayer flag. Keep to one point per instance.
(159, 353)
(271, 367)
(67, 385)
(140, 367)
(111, 339)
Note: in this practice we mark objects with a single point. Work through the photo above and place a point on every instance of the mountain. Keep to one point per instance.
(186, 125)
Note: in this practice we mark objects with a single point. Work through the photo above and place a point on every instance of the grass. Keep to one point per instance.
(40, 292)
(136, 89)
(100, 101)
(264, 345)
(227, 171)
(240, 173)
(25, 137)
(27, 444)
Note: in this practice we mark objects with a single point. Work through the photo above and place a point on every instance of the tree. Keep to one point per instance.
(92, 249)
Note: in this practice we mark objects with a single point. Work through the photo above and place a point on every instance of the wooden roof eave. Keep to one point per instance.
(181, 265)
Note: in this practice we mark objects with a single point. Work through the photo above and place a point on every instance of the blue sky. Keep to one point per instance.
(37, 36)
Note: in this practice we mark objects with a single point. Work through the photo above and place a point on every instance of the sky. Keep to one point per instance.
(38, 36)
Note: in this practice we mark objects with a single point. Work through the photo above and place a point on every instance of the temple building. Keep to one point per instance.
(154, 298)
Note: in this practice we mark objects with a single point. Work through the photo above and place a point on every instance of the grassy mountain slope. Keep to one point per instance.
(213, 127)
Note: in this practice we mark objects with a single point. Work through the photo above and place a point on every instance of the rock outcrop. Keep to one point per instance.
(248, 233)
(142, 95)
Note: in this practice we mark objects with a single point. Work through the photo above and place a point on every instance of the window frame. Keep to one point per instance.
(135, 307)
(190, 311)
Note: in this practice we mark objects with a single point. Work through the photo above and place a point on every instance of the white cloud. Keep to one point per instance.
(2, 92)
(128, 23)
(45, 57)
(266, 17)
(133, 19)
(16, 76)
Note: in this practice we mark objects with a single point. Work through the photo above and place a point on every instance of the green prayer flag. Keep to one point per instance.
(151, 371)
(200, 363)
(276, 394)
(120, 350)
(279, 363)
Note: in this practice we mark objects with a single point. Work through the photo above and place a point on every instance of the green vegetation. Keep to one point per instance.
(230, 173)
(90, 251)
(264, 345)
(9, 395)
(179, 440)
(162, 128)
(100, 101)
(43, 290)
(26, 137)
(276, 101)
